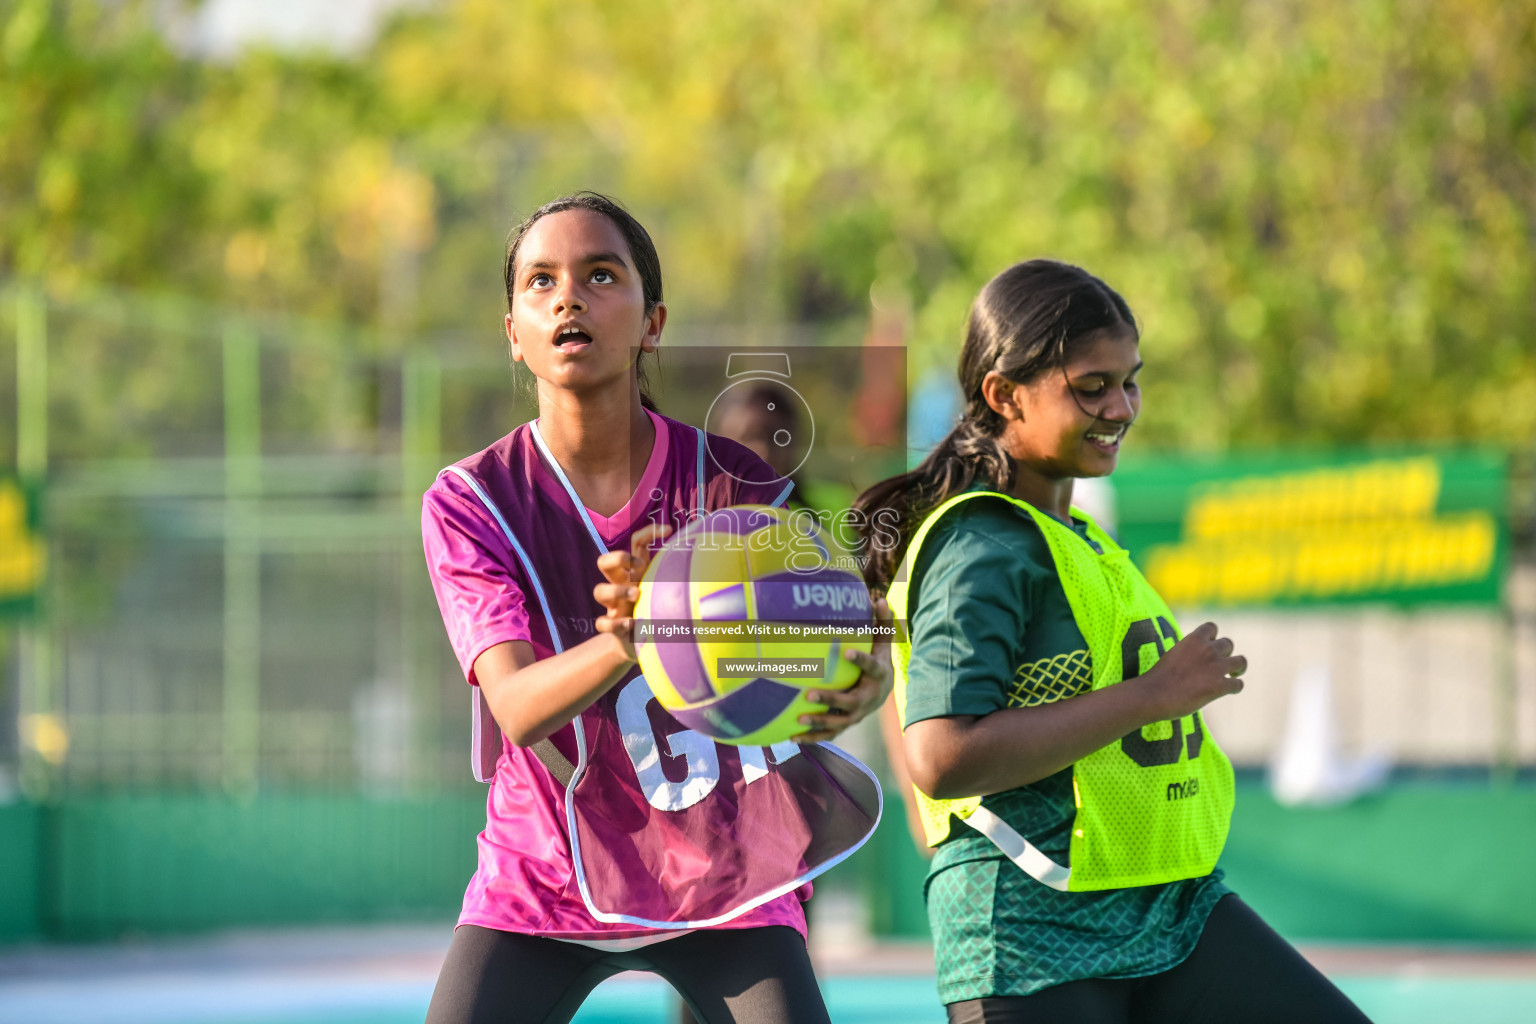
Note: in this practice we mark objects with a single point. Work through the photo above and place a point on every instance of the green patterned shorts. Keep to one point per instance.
(998, 932)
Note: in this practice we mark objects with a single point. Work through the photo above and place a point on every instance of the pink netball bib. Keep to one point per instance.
(664, 827)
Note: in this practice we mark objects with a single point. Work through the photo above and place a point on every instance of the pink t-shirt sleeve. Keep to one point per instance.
(467, 559)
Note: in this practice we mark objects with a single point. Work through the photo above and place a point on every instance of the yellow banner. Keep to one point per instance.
(1327, 533)
(1321, 564)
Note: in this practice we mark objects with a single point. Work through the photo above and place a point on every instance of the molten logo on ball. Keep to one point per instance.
(834, 596)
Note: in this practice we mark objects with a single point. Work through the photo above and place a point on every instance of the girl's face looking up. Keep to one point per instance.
(578, 309)
(1069, 421)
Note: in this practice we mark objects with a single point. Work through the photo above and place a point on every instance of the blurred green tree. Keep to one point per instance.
(1322, 212)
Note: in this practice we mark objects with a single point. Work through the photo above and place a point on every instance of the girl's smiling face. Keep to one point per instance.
(578, 309)
(1069, 421)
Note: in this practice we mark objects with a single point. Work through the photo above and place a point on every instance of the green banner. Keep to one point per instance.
(23, 556)
(1412, 528)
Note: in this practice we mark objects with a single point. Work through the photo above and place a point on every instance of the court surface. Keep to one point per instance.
(385, 975)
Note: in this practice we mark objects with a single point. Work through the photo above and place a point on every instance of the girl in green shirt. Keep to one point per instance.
(1007, 720)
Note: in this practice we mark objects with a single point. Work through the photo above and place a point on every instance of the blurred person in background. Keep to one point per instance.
(763, 417)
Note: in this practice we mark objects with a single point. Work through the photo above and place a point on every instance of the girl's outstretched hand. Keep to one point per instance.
(622, 570)
(845, 707)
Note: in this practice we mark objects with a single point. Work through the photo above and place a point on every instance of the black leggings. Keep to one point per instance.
(725, 975)
(1240, 970)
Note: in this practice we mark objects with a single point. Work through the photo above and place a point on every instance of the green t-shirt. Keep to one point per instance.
(991, 628)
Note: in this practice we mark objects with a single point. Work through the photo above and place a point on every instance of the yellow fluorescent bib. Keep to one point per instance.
(1153, 806)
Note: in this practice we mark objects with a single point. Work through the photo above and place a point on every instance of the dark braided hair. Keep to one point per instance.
(1022, 324)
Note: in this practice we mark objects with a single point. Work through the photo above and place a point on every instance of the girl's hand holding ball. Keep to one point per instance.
(623, 570)
(846, 707)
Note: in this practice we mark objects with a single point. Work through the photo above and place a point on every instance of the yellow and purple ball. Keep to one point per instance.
(762, 587)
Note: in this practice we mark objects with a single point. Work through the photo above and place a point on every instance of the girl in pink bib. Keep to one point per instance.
(615, 838)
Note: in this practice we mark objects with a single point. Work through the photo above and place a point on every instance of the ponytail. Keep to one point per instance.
(968, 454)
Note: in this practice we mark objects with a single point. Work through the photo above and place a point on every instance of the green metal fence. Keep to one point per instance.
(236, 598)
